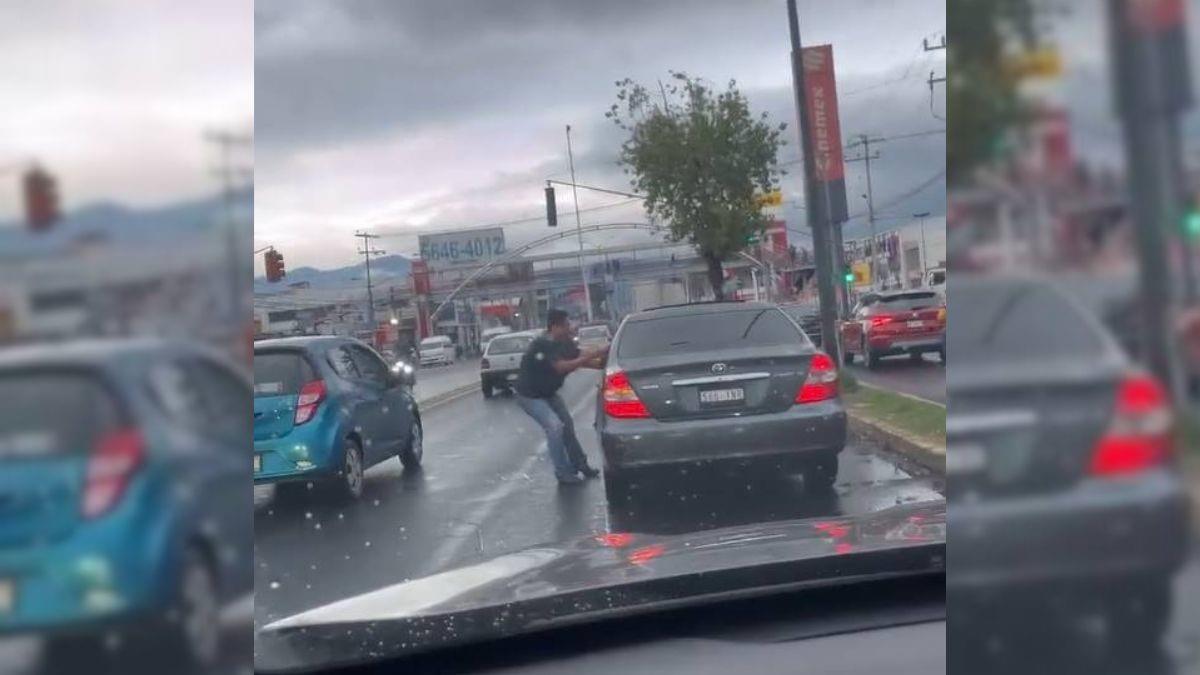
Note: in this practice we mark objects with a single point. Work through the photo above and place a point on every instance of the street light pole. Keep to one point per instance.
(587, 293)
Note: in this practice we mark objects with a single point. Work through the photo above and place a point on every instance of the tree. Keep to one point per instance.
(701, 158)
(982, 102)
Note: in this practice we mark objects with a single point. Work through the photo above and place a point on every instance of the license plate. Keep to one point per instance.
(965, 458)
(916, 324)
(723, 395)
(8, 596)
(257, 463)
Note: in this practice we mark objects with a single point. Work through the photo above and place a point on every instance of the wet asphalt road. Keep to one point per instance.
(487, 489)
(924, 378)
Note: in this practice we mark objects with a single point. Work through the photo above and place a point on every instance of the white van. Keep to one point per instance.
(437, 349)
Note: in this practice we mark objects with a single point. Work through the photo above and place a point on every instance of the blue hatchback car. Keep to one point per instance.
(326, 409)
(124, 505)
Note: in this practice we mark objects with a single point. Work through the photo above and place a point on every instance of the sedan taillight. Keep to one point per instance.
(620, 400)
(110, 469)
(1139, 436)
(821, 383)
(309, 400)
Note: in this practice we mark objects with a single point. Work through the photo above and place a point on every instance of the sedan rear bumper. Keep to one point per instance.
(1101, 529)
(800, 433)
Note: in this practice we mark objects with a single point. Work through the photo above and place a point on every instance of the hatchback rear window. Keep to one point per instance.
(703, 332)
(508, 345)
(593, 332)
(280, 373)
(908, 301)
(48, 414)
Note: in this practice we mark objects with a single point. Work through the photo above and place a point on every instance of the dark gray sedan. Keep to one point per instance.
(690, 386)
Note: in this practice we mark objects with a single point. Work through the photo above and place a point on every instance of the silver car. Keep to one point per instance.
(694, 385)
(501, 361)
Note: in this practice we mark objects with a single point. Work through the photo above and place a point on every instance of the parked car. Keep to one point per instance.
(502, 360)
(488, 333)
(328, 408)
(894, 322)
(1061, 471)
(593, 337)
(437, 350)
(717, 383)
(123, 500)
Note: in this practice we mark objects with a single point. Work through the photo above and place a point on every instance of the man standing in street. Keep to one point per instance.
(544, 366)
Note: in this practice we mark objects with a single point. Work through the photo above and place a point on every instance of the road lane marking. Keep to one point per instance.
(451, 548)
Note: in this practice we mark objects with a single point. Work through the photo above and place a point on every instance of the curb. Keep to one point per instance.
(931, 457)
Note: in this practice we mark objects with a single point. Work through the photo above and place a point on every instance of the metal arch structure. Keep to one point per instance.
(516, 253)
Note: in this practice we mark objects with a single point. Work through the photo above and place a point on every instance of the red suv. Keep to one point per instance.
(895, 322)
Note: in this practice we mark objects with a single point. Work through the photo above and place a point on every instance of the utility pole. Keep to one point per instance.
(232, 176)
(587, 293)
(818, 213)
(367, 252)
(1153, 90)
(865, 140)
(924, 252)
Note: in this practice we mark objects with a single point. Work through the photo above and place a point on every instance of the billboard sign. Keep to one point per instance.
(825, 129)
(466, 247)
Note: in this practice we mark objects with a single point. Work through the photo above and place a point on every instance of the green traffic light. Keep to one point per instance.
(1191, 224)
(849, 277)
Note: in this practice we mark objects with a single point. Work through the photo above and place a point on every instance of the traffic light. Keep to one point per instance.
(849, 277)
(41, 199)
(551, 208)
(273, 260)
(1191, 222)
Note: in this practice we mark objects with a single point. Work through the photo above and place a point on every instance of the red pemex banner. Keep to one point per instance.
(821, 94)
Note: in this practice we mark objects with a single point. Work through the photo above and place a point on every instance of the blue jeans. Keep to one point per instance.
(552, 415)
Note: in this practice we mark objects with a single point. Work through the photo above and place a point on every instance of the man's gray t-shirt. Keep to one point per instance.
(537, 377)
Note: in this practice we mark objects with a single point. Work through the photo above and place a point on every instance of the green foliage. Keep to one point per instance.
(982, 104)
(700, 156)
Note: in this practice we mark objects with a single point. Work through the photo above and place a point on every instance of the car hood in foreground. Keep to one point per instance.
(606, 576)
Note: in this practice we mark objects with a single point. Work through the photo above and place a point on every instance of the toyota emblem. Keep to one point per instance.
(718, 368)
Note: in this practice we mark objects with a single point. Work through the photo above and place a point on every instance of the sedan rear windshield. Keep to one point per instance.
(705, 332)
(908, 301)
(48, 414)
(280, 373)
(508, 345)
(1019, 322)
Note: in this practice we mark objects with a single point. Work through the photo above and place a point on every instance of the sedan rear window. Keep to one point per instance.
(508, 345)
(704, 332)
(49, 414)
(280, 373)
(1007, 322)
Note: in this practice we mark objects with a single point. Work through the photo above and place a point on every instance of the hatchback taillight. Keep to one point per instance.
(112, 465)
(309, 400)
(821, 383)
(1139, 436)
(620, 400)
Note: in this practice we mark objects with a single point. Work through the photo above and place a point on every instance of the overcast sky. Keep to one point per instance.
(113, 96)
(403, 116)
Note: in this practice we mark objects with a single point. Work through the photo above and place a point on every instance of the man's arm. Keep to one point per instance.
(564, 366)
(599, 361)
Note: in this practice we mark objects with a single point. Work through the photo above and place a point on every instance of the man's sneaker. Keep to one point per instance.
(589, 472)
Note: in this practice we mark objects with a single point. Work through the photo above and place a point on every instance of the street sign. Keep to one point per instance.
(1043, 62)
(468, 247)
(772, 198)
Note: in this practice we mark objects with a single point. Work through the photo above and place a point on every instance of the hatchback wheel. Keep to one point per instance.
(351, 473)
(412, 453)
(196, 628)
